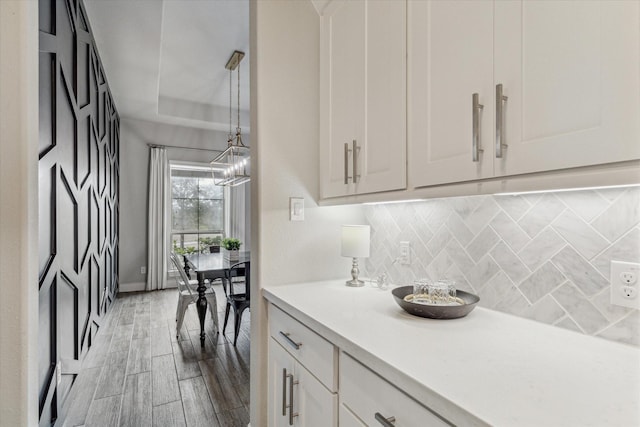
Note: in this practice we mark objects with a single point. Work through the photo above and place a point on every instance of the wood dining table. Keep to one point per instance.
(210, 266)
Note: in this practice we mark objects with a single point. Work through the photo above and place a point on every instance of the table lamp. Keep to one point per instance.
(355, 244)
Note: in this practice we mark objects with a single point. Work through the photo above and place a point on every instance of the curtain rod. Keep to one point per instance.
(182, 148)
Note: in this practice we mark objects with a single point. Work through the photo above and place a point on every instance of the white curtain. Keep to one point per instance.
(239, 214)
(159, 217)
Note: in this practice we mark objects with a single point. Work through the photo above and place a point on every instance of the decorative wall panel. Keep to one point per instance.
(541, 256)
(78, 196)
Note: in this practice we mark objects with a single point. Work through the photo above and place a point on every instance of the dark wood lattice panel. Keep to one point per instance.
(78, 196)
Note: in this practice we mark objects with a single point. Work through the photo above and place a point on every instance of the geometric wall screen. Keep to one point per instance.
(78, 198)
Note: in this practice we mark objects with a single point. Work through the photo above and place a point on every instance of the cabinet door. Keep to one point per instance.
(315, 405)
(363, 97)
(288, 381)
(571, 73)
(381, 160)
(342, 93)
(281, 364)
(450, 59)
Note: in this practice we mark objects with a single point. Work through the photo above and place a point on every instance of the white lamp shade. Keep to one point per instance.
(355, 241)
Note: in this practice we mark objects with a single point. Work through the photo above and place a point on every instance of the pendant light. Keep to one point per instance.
(232, 166)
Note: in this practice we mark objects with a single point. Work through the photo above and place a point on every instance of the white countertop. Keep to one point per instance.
(486, 368)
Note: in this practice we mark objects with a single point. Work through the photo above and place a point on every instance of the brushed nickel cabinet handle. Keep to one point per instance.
(386, 422)
(475, 134)
(291, 342)
(356, 151)
(500, 99)
(346, 163)
(284, 391)
(291, 414)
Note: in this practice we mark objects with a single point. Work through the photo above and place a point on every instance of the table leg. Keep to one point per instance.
(202, 306)
(186, 266)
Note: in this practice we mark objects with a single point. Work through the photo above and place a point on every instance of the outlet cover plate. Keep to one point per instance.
(405, 253)
(619, 271)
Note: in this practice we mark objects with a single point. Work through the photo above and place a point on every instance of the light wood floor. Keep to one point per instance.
(139, 374)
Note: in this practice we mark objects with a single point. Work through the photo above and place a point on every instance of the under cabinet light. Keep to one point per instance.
(391, 202)
(564, 190)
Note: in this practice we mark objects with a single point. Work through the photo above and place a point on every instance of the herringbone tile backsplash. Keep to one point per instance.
(541, 256)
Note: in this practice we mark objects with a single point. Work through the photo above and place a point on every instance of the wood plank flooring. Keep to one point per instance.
(138, 373)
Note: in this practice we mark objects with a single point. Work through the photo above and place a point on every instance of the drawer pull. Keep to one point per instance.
(293, 344)
(386, 422)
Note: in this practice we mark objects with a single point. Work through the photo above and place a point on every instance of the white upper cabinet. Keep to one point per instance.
(569, 73)
(363, 97)
(450, 59)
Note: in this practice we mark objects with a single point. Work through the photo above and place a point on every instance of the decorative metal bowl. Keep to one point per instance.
(468, 300)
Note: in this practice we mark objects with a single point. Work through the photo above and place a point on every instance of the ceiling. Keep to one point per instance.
(165, 59)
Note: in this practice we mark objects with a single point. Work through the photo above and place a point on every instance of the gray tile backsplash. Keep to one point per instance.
(541, 256)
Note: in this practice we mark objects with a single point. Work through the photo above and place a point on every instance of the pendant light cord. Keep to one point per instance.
(238, 130)
(230, 137)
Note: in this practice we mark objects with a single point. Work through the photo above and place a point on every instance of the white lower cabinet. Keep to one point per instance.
(367, 399)
(297, 398)
(311, 385)
(303, 378)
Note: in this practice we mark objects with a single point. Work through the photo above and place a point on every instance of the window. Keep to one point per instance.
(197, 208)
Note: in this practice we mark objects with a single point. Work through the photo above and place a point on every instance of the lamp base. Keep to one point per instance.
(355, 283)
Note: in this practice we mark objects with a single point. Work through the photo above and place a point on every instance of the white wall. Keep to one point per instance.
(285, 111)
(134, 166)
(18, 213)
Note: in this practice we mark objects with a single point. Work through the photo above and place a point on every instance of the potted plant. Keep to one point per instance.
(184, 251)
(212, 244)
(232, 245)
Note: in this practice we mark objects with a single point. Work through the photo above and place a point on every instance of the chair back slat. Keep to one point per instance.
(241, 269)
(182, 279)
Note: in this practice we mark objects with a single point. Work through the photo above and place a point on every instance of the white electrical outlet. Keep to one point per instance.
(405, 253)
(624, 284)
(143, 270)
(628, 277)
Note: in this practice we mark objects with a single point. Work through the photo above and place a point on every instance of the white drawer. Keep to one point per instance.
(315, 353)
(348, 418)
(366, 394)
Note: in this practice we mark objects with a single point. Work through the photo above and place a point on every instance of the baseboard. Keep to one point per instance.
(140, 286)
(132, 287)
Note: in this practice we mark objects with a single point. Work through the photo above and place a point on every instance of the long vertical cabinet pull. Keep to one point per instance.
(386, 422)
(291, 414)
(284, 392)
(356, 151)
(500, 99)
(346, 163)
(475, 138)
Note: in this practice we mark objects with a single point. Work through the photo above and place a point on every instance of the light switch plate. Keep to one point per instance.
(296, 209)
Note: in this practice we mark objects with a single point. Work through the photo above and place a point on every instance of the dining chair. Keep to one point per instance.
(188, 294)
(237, 302)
